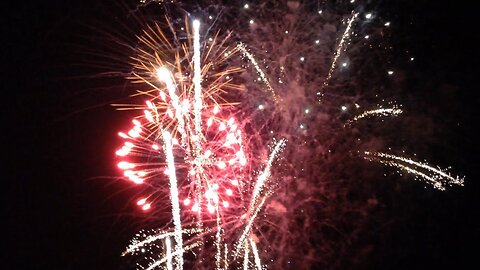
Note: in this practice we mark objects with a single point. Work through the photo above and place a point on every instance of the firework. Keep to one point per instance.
(203, 158)
(217, 111)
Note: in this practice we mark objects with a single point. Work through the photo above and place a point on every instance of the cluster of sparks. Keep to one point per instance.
(189, 139)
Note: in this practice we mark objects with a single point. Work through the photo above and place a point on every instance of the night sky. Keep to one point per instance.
(61, 208)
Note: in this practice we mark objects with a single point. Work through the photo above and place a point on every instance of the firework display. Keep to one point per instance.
(226, 110)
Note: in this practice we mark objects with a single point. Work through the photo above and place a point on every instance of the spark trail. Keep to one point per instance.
(260, 72)
(340, 48)
(168, 148)
(435, 176)
(197, 78)
(394, 111)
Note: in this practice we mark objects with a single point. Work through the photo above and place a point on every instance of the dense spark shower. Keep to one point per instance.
(202, 142)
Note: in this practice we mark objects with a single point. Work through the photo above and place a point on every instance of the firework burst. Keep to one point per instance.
(189, 139)
(217, 110)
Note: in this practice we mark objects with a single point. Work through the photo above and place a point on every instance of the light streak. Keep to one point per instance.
(197, 78)
(245, 257)
(394, 111)
(225, 258)
(258, 263)
(241, 241)
(339, 50)
(218, 240)
(266, 173)
(260, 72)
(167, 138)
(168, 247)
(437, 177)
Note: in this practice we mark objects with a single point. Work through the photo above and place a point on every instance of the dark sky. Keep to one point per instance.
(61, 210)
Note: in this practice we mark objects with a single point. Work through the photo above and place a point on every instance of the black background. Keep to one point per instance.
(60, 209)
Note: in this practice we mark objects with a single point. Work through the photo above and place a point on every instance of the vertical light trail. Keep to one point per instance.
(218, 240)
(168, 247)
(245, 258)
(258, 263)
(197, 111)
(260, 72)
(166, 76)
(340, 48)
(225, 259)
(168, 149)
(197, 78)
